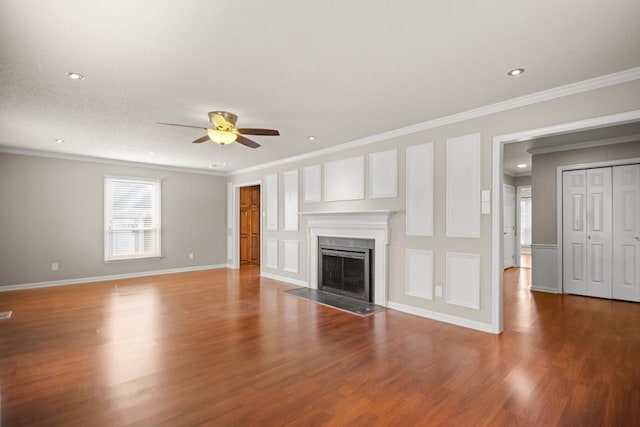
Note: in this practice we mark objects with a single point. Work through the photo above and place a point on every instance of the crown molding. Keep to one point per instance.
(77, 157)
(522, 101)
(585, 144)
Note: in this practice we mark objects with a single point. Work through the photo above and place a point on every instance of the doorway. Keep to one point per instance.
(249, 226)
(509, 223)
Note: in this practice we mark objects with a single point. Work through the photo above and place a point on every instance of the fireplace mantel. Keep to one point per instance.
(372, 224)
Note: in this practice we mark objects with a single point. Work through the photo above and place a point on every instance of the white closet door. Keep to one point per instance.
(599, 233)
(509, 224)
(626, 232)
(574, 235)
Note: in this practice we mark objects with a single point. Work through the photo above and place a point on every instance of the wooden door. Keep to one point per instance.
(509, 223)
(626, 232)
(250, 225)
(599, 256)
(574, 233)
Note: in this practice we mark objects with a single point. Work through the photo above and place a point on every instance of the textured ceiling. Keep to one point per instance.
(333, 69)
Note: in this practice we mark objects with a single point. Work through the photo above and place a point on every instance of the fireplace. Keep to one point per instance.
(345, 266)
(373, 225)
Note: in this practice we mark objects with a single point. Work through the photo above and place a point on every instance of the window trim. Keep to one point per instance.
(157, 182)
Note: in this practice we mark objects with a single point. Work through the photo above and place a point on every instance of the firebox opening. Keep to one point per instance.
(345, 267)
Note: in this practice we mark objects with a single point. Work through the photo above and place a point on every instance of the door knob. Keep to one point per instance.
(589, 237)
(637, 237)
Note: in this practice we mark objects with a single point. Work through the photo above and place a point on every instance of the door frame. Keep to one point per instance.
(235, 226)
(518, 223)
(497, 297)
(559, 232)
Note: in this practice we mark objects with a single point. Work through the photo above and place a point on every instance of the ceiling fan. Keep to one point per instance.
(224, 130)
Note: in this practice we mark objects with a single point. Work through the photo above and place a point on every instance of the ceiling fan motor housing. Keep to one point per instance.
(223, 120)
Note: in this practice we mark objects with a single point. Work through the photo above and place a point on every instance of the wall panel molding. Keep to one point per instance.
(312, 181)
(419, 273)
(419, 190)
(291, 256)
(463, 186)
(291, 200)
(272, 201)
(463, 280)
(271, 252)
(383, 174)
(344, 179)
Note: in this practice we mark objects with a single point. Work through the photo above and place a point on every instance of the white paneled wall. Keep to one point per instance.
(419, 273)
(311, 175)
(291, 200)
(229, 247)
(419, 184)
(291, 256)
(272, 202)
(271, 260)
(383, 174)
(463, 279)
(463, 186)
(344, 179)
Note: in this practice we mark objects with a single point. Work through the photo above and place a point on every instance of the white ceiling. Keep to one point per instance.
(333, 69)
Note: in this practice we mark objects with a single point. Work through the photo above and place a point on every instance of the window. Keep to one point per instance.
(131, 218)
(525, 221)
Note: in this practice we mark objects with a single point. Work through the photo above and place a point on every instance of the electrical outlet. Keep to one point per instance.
(54, 266)
(190, 255)
(438, 291)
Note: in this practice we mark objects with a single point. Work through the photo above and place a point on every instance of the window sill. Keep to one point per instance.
(144, 258)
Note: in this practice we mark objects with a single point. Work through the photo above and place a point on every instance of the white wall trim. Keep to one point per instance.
(92, 279)
(470, 283)
(81, 158)
(418, 273)
(510, 104)
(585, 144)
(559, 232)
(462, 186)
(441, 317)
(284, 279)
(291, 250)
(496, 183)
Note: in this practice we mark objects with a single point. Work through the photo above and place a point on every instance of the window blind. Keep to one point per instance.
(132, 218)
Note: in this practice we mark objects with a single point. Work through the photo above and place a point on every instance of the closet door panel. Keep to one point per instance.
(626, 232)
(574, 193)
(599, 233)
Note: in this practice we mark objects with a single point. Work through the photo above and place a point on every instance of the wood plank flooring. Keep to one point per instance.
(227, 348)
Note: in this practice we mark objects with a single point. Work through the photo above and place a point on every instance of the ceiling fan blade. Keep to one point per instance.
(184, 126)
(246, 141)
(203, 139)
(265, 132)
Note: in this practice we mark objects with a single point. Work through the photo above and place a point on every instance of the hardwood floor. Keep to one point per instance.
(226, 348)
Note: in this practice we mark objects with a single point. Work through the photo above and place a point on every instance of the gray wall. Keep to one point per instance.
(52, 211)
(544, 186)
(523, 180)
(609, 100)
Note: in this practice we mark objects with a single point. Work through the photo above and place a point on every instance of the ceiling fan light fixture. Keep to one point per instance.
(222, 137)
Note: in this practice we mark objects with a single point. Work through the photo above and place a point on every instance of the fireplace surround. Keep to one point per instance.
(345, 266)
(374, 225)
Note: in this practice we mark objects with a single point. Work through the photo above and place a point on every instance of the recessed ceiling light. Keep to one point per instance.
(151, 153)
(213, 166)
(311, 137)
(223, 163)
(516, 72)
(59, 141)
(522, 165)
(75, 76)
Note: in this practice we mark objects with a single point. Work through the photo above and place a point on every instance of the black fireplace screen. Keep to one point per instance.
(345, 267)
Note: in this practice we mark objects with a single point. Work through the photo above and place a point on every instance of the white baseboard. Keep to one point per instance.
(441, 317)
(543, 289)
(284, 279)
(108, 277)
